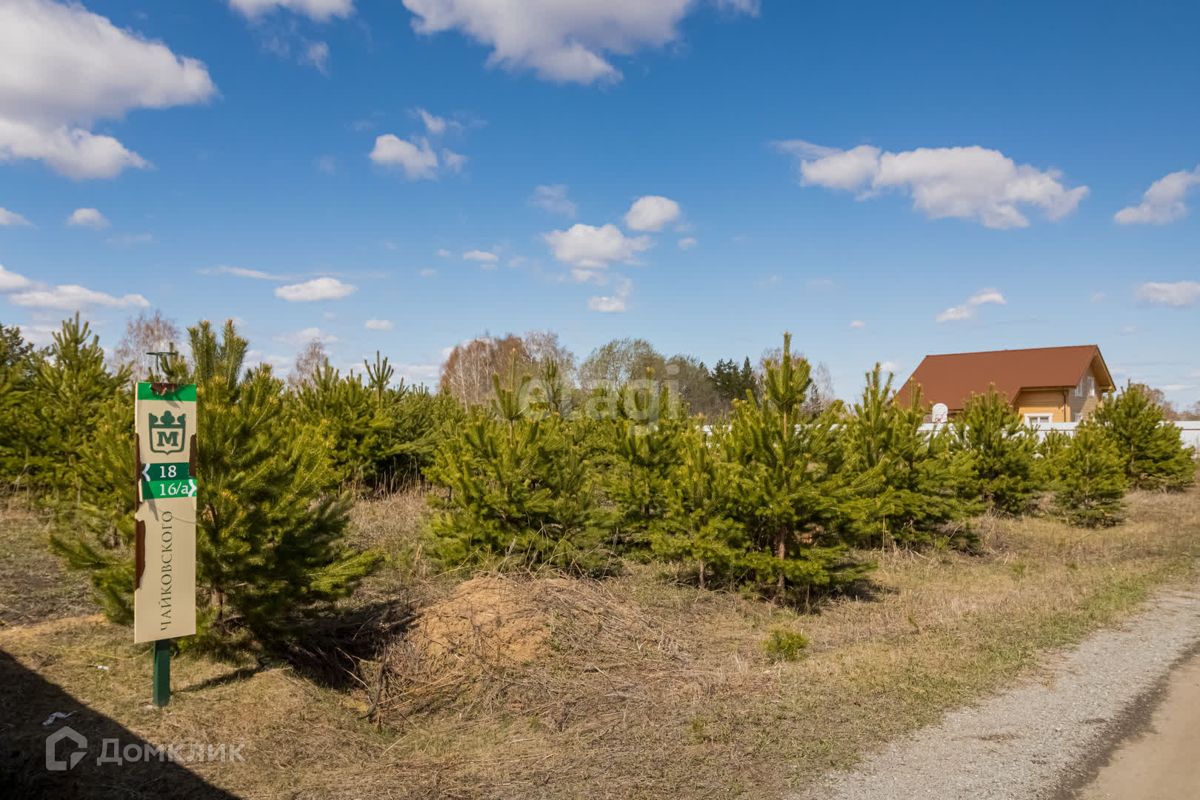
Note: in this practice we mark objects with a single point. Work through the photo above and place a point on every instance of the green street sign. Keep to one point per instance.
(156, 490)
(167, 471)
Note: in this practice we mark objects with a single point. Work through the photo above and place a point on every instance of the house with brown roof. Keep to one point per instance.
(1044, 384)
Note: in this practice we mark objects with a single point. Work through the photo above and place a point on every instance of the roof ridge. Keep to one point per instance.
(1015, 350)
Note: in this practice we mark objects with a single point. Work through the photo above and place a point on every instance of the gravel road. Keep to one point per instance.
(1047, 737)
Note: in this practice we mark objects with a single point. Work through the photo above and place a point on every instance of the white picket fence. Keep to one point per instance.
(1189, 430)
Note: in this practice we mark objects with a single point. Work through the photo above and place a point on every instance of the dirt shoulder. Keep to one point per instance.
(1157, 760)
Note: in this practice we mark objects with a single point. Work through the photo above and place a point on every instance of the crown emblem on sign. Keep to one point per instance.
(167, 433)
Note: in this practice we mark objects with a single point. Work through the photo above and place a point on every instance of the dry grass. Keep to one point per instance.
(636, 687)
(33, 584)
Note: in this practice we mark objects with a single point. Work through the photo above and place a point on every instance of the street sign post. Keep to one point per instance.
(164, 596)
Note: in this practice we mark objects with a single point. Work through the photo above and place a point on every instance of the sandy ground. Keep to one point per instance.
(1163, 762)
(1052, 735)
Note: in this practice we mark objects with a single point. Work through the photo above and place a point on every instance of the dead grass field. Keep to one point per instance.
(631, 687)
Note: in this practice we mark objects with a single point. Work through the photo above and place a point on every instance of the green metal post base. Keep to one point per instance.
(162, 672)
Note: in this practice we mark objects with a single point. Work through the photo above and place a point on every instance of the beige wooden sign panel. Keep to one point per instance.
(164, 600)
(164, 597)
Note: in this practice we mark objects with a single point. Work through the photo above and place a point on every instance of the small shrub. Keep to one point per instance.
(785, 645)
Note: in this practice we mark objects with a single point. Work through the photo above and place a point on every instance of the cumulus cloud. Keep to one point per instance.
(1179, 294)
(613, 303)
(62, 68)
(87, 218)
(553, 198)
(11, 281)
(967, 310)
(652, 213)
(416, 158)
(11, 219)
(319, 10)
(305, 335)
(857, 325)
(316, 289)
(481, 256)
(1163, 201)
(378, 325)
(687, 243)
(590, 249)
(72, 297)
(564, 42)
(962, 182)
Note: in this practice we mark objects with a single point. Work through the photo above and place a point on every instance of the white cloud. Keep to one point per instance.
(961, 182)
(319, 10)
(11, 219)
(888, 366)
(428, 273)
(417, 159)
(316, 55)
(443, 253)
(378, 325)
(967, 310)
(652, 213)
(553, 198)
(418, 373)
(316, 289)
(62, 68)
(481, 256)
(11, 281)
(857, 325)
(687, 243)
(588, 248)
(613, 303)
(453, 161)
(304, 336)
(560, 41)
(242, 272)
(1163, 201)
(434, 124)
(1179, 294)
(87, 218)
(72, 297)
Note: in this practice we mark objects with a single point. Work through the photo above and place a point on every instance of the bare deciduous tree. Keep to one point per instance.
(312, 358)
(145, 333)
(468, 370)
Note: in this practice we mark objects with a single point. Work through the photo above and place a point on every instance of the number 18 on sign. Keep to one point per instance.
(164, 596)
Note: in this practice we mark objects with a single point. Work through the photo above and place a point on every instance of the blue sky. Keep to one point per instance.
(884, 180)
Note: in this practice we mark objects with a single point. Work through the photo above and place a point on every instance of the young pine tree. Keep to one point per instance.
(644, 443)
(1000, 451)
(1089, 479)
(71, 388)
(698, 529)
(519, 493)
(20, 437)
(785, 487)
(1152, 453)
(911, 479)
(271, 521)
